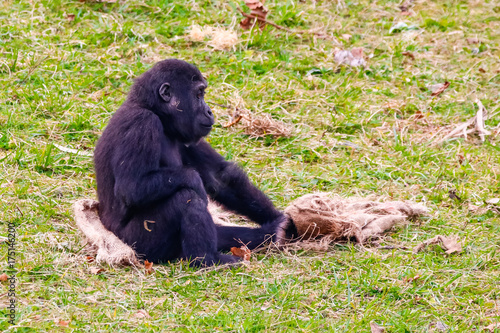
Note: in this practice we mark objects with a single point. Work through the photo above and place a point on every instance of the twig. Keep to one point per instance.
(264, 20)
(219, 105)
(299, 32)
(234, 122)
(31, 70)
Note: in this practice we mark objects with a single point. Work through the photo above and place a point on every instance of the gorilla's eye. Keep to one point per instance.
(200, 94)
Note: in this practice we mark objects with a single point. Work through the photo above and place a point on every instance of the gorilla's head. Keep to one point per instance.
(175, 90)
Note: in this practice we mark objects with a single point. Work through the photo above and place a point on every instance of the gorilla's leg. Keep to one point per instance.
(197, 231)
(179, 228)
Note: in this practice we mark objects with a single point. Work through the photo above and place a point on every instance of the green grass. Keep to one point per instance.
(62, 79)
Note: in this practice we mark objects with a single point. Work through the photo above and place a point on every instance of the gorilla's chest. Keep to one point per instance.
(170, 154)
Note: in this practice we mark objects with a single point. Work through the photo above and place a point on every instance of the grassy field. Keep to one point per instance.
(66, 66)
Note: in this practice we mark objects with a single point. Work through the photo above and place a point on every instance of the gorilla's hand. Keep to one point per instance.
(193, 181)
(284, 227)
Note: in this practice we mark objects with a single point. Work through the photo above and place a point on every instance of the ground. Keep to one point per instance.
(377, 130)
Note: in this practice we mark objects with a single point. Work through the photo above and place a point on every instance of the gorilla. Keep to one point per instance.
(155, 173)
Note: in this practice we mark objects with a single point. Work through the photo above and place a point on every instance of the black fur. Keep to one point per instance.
(154, 171)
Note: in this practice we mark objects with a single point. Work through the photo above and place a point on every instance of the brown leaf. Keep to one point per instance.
(449, 243)
(257, 10)
(375, 328)
(406, 5)
(418, 115)
(96, 270)
(472, 40)
(3, 277)
(453, 195)
(90, 259)
(148, 266)
(70, 17)
(242, 252)
(411, 279)
(63, 323)
(409, 54)
(438, 89)
(246, 23)
(141, 314)
(352, 58)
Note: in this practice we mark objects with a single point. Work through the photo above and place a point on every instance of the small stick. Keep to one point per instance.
(146, 224)
(317, 34)
(234, 122)
(219, 105)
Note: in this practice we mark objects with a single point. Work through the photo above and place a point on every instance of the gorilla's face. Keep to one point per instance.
(179, 90)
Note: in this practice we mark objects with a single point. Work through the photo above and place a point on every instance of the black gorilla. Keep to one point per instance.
(154, 172)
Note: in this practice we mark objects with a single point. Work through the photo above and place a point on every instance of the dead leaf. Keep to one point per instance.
(375, 328)
(393, 105)
(412, 279)
(493, 201)
(148, 266)
(449, 243)
(409, 54)
(96, 270)
(453, 195)
(441, 326)
(63, 323)
(90, 259)
(70, 17)
(257, 10)
(472, 40)
(352, 58)
(346, 37)
(477, 121)
(141, 314)
(438, 89)
(3, 277)
(242, 252)
(472, 207)
(405, 6)
(492, 327)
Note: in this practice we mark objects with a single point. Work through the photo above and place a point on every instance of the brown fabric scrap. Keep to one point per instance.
(321, 214)
(110, 249)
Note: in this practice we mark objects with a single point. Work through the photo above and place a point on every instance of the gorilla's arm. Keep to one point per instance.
(139, 178)
(227, 184)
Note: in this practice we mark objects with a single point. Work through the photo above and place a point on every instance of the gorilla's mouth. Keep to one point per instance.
(206, 126)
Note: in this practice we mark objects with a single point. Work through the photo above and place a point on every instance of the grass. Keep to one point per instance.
(66, 67)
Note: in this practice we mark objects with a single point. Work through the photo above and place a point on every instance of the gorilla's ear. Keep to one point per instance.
(164, 92)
